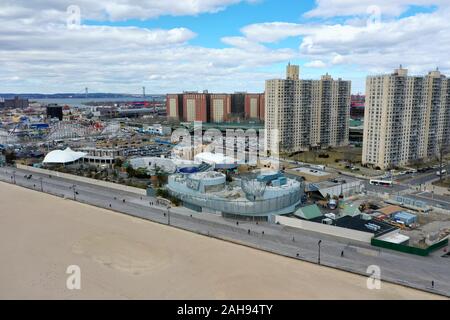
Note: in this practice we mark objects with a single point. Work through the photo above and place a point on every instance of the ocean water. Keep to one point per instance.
(79, 102)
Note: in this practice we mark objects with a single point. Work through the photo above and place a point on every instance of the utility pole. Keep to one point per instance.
(168, 215)
(320, 241)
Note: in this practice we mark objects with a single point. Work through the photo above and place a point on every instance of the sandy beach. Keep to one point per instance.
(127, 258)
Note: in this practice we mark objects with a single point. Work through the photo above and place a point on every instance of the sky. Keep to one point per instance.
(169, 46)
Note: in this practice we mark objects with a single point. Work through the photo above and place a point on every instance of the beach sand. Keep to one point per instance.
(127, 258)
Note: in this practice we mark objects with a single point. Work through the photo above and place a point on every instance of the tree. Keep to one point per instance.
(118, 163)
(131, 172)
(10, 157)
(141, 173)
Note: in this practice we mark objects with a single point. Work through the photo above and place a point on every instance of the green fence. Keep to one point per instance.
(407, 249)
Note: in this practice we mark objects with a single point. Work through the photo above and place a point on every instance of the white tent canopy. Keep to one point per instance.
(63, 156)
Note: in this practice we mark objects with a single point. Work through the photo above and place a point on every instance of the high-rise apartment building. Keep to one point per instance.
(220, 108)
(15, 103)
(407, 118)
(300, 114)
(196, 107)
(238, 103)
(174, 106)
(254, 106)
(292, 72)
(215, 107)
(357, 106)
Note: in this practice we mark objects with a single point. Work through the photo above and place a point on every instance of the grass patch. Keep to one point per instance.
(329, 157)
(445, 183)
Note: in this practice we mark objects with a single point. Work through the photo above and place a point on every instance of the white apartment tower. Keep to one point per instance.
(407, 118)
(300, 114)
(292, 72)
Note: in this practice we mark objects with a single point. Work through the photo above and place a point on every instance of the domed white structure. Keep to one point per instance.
(63, 156)
(250, 199)
(217, 160)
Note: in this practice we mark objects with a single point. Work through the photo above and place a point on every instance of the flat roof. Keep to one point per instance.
(390, 209)
(356, 223)
(308, 212)
(404, 214)
(397, 238)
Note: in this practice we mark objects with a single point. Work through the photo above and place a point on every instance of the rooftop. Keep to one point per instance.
(396, 238)
(390, 210)
(308, 212)
(63, 156)
(359, 224)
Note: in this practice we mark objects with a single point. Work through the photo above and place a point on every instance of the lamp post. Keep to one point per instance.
(320, 241)
(168, 215)
(42, 186)
(74, 193)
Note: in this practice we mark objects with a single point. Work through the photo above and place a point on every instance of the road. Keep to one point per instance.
(410, 185)
(436, 200)
(414, 271)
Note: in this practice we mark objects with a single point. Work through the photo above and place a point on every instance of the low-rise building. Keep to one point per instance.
(246, 199)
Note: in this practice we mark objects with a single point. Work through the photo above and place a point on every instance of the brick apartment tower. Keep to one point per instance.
(254, 106)
(196, 107)
(220, 107)
(174, 106)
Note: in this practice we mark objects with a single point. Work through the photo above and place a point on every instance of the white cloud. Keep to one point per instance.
(38, 52)
(244, 43)
(273, 31)
(316, 64)
(336, 8)
(421, 42)
(337, 59)
(125, 9)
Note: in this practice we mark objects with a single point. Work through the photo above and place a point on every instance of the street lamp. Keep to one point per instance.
(168, 215)
(320, 241)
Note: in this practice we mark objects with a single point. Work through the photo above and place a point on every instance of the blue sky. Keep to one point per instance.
(211, 27)
(220, 45)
